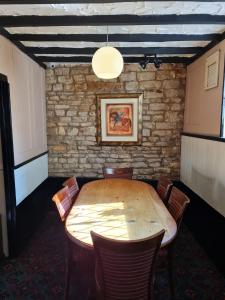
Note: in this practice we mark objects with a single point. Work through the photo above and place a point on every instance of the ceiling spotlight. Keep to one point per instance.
(157, 62)
(148, 59)
(144, 62)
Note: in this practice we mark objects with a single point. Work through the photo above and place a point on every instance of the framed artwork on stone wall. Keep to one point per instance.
(119, 119)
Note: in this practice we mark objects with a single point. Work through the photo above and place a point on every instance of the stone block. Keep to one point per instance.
(145, 132)
(131, 86)
(61, 131)
(50, 80)
(153, 95)
(80, 87)
(158, 106)
(150, 85)
(48, 87)
(173, 93)
(165, 74)
(60, 112)
(157, 118)
(65, 79)
(171, 84)
(61, 71)
(132, 68)
(176, 107)
(72, 131)
(49, 72)
(78, 78)
(144, 76)
(130, 76)
(58, 87)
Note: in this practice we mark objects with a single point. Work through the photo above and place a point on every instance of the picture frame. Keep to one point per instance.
(212, 70)
(119, 119)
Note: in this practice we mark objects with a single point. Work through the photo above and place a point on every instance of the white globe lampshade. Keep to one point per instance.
(107, 63)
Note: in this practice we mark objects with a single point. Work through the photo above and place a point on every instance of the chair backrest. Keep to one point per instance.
(163, 189)
(63, 201)
(124, 269)
(118, 173)
(177, 204)
(73, 186)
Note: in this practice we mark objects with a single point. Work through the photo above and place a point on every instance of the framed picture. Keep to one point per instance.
(212, 70)
(119, 119)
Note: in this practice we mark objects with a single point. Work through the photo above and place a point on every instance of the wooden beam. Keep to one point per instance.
(87, 59)
(141, 37)
(123, 50)
(70, 20)
(19, 45)
(207, 48)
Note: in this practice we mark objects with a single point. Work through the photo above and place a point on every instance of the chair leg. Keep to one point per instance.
(170, 272)
(67, 270)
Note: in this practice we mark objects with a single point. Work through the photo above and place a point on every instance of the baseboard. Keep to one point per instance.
(206, 225)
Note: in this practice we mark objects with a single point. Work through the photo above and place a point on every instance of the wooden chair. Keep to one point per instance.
(73, 186)
(118, 173)
(125, 269)
(177, 205)
(163, 189)
(63, 201)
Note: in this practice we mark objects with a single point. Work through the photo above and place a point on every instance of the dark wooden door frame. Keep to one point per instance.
(8, 162)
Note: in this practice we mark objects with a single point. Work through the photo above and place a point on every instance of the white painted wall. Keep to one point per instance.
(27, 180)
(28, 108)
(203, 169)
(28, 112)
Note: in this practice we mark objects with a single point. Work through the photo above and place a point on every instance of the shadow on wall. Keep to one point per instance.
(203, 183)
(220, 196)
(210, 189)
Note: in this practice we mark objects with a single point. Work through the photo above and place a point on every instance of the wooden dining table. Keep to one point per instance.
(121, 209)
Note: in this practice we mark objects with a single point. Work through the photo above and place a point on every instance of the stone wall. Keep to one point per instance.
(71, 120)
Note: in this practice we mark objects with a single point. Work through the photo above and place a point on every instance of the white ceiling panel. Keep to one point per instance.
(117, 44)
(136, 55)
(137, 8)
(160, 29)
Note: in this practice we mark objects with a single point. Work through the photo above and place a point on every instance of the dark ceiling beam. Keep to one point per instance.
(87, 59)
(89, 1)
(208, 47)
(141, 37)
(37, 21)
(123, 50)
(19, 45)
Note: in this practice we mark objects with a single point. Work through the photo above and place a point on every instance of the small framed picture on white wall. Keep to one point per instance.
(212, 70)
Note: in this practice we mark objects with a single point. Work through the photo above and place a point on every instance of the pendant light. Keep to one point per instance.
(107, 62)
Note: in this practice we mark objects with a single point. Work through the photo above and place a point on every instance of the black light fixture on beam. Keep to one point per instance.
(148, 59)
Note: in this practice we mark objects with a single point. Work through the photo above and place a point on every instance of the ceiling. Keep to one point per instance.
(60, 31)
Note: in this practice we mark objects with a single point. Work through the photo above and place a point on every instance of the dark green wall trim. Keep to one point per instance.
(29, 160)
(205, 137)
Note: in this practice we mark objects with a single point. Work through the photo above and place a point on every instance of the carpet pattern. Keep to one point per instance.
(38, 273)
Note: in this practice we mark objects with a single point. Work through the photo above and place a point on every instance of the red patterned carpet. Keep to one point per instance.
(38, 273)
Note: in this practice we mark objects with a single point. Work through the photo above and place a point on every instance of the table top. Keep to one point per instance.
(121, 209)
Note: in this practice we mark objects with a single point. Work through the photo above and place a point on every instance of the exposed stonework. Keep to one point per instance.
(71, 120)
